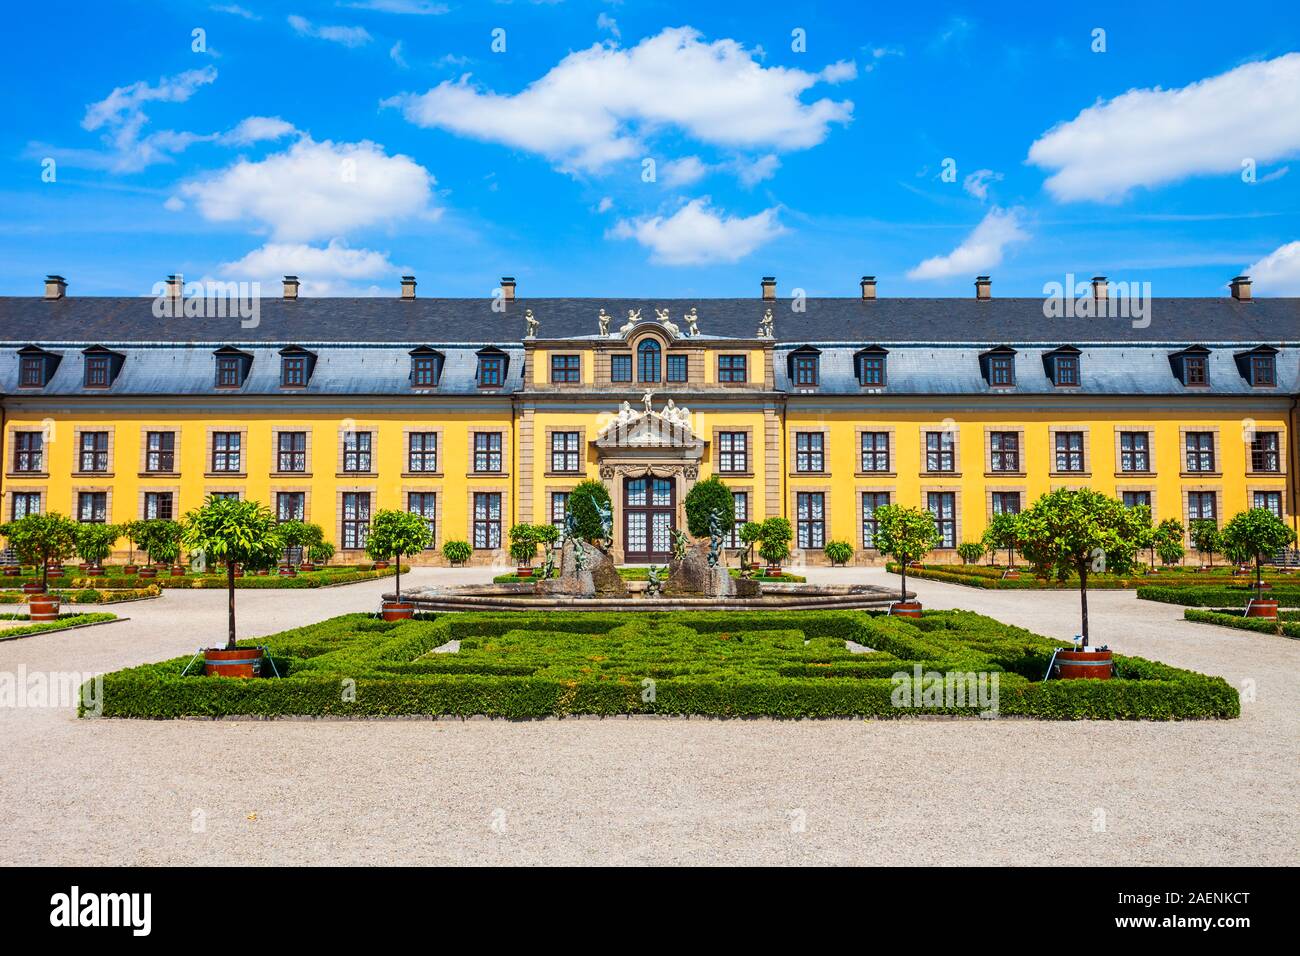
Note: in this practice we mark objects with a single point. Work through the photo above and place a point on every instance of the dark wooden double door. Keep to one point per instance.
(649, 516)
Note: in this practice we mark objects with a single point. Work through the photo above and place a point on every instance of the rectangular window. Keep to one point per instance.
(487, 521)
(1269, 500)
(1137, 499)
(940, 451)
(227, 371)
(92, 507)
(1263, 371)
(805, 370)
(226, 452)
(158, 504)
(357, 452)
(424, 371)
(225, 495)
(356, 519)
(291, 453)
(809, 452)
(733, 451)
(740, 505)
(559, 503)
(1194, 370)
(810, 507)
(1067, 370)
(29, 451)
(487, 451)
(97, 371)
(1200, 451)
(26, 503)
(871, 500)
(620, 368)
(1069, 451)
(566, 369)
(875, 451)
(1200, 506)
(293, 371)
(943, 506)
(1134, 451)
(32, 371)
(1006, 502)
(160, 452)
(1002, 370)
(422, 456)
(677, 368)
(1004, 451)
(491, 371)
(871, 370)
(566, 456)
(732, 368)
(93, 453)
(1264, 452)
(291, 506)
(424, 504)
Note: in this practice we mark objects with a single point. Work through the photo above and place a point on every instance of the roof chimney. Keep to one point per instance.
(1240, 288)
(291, 287)
(176, 287)
(868, 287)
(1100, 290)
(56, 287)
(508, 288)
(769, 287)
(983, 287)
(408, 287)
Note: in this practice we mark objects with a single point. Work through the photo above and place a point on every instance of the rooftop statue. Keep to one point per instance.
(766, 327)
(531, 323)
(692, 320)
(603, 320)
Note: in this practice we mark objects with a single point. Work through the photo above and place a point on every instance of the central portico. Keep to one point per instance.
(648, 459)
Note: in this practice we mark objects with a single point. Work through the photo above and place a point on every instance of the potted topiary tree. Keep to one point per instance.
(1255, 535)
(40, 540)
(547, 535)
(313, 536)
(1206, 539)
(456, 552)
(397, 534)
(774, 544)
(839, 553)
(132, 531)
(1166, 541)
(906, 535)
(751, 533)
(147, 534)
(296, 535)
(165, 545)
(1004, 532)
(1080, 532)
(230, 531)
(523, 548)
(970, 551)
(320, 553)
(95, 543)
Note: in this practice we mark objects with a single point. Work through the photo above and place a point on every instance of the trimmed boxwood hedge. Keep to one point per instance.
(85, 595)
(733, 664)
(990, 578)
(1287, 626)
(62, 624)
(272, 581)
(1286, 596)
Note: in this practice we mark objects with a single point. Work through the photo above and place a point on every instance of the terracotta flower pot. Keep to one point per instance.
(12, 571)
(94, 570)
(42, 607)
(287, 571)
(397, 610)
(772, 570)
(1263, 608)
(522, 572)
(381, 566)
(1083, 665)
(306, 566)
(130, 569)
(905, 609)
(148, 572)
(33, 587)
(241, 662)
(178, 571)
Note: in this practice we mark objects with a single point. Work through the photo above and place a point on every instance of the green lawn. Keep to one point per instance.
(40, 627)
(736, 664)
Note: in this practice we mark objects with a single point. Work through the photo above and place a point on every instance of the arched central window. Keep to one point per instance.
(647, 354)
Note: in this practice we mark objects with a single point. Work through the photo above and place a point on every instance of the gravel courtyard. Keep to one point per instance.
(659, 791)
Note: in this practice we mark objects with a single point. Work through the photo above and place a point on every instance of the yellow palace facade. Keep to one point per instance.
(482, 413)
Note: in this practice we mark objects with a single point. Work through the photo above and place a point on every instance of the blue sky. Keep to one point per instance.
(353, 142)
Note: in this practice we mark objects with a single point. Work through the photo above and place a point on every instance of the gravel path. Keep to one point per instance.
(653, 790)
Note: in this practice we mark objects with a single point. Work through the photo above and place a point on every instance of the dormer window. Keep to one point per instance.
(870, 365)
(36, 366)
(98, 371)
(1259, 366)
(1062, 366)
(296, 366)
(999, 367)
(491, 368)
(232, 367)
(805, 367)
(426, 367)
(1192, 366)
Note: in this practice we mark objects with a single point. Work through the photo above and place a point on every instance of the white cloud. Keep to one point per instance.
(592, 108)
(322, 270)
(979, 251)
(1154, 136)
(316, 190)
(121, 117)
(606, 204)
(348, 36)
(236, 10)
(417, 7)
(683, 172)
(977, 183)
(1278, 273)
(395, 54)
(605, 22)
(751, 173)
(696, 235)
(174, 204)
(256, 129)
(691, 169)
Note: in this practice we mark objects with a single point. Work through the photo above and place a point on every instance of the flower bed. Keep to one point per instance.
(1286, 625)
(62, 624)
(746, 664)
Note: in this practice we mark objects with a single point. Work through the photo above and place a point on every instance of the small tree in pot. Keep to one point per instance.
(312, 537)
(232, 531)
(839, 553)
(95, 543)
(456, 552)
(751, 533)
(1003, 532)
(1255, 535)
(42, 539)
(906, 535)
(397, 534)
(296, 535)
(970, 551)
(320, 552)
(1167, 542)
(165, 543)
(523, 548)
(133, 531)
(774, 546)
(1206, 538)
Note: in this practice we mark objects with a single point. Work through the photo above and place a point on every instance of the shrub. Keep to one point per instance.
(1284, 628)
(1205, 536)
(1002, 532)
(970, 551)
(588, 503)
(906, 535)
(320, 552)
(40, 539)
(1255, 535)
(523, 543)
(774, 540)
(1168, 541)
(457, 552)
(838, 552)
(1221, 596)
(397, 534)
(705, 498)
(95, 541)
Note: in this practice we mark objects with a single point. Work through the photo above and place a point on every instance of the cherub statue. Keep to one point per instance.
(603, 320)
(646, 399)
(625, 413)
(606, 522)
(692, 320)
(531, 323)
(654, 583)
(766, 329)
(680, 543)
(633, 317)
(669, 325)
(715, 537)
